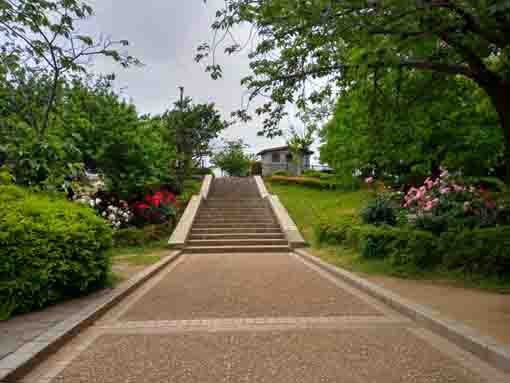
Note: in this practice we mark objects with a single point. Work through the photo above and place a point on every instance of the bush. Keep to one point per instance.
(483, 251)
(256, 168)
(51, 249)
(305, 181)
(318, 174)
(283, 173)
(380, 212)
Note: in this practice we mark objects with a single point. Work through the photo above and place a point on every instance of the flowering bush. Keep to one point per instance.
(444, 202)
(116, 213)
(157, 208)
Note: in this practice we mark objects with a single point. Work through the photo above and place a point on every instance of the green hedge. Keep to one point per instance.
(306, 181)
(484, 251)
(50, 249)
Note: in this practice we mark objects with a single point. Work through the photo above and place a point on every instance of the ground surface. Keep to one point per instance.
(485, 310)
(256, 318)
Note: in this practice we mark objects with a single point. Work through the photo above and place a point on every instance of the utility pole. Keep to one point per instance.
(180, 149)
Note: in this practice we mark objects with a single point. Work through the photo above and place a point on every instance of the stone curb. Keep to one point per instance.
(14, 366)
(206, 186)
(484, 347)
(286, 223)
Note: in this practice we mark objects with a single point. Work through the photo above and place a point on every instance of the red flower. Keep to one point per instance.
(141, 205)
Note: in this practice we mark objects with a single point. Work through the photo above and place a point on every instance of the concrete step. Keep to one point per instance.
(230, 206)
(201, 220)
(236, 249)
(229, 230)
(227, 214)
(203, 225)
(236, 242)
(214, 236)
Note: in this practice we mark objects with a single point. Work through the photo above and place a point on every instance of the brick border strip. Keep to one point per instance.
(14, 366)
(486, 348)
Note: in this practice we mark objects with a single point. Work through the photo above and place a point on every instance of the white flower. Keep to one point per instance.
(98, 201)
(111, 217)
(92, 203)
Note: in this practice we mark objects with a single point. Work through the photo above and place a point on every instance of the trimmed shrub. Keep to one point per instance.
(51, 249)
(305, 181)
(485, 251)
(282, 173)
(379, 212)
(342, 231)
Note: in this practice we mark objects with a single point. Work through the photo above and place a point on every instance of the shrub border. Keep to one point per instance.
(485, 348)
(16, 365)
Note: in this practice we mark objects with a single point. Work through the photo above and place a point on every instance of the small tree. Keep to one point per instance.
(299, 144)
(232, 159)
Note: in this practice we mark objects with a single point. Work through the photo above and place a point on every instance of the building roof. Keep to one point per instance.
(278, 149)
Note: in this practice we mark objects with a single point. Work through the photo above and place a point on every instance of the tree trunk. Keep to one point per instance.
(500, 96)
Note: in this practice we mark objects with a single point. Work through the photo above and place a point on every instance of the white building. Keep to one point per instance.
(281, 158)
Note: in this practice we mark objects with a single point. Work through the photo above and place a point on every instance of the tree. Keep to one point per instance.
(414, 131)
(190, 129)
(301, 41)
(42, 36)
(232, 159)
(299, 144)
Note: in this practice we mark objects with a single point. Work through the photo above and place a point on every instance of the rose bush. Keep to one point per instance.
(156, 208)
(445, 202)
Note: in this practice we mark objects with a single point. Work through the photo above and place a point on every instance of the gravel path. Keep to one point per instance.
(256, 318)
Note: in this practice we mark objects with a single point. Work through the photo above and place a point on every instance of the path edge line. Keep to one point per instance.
(484, 347)
(16, 365)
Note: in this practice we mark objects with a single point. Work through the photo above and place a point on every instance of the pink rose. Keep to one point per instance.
(369, 180)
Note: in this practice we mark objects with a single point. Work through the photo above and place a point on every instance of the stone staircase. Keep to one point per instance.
(235, 219)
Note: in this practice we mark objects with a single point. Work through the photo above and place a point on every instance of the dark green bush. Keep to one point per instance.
(256, 168)
(283, 173)
(379, 212)
(485, 251)
(305, 181)
(51, 249)
(342, 231)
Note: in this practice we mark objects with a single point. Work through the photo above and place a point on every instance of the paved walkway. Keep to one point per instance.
(256, 317)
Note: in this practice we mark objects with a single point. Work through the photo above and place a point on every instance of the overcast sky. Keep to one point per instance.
(164, 35)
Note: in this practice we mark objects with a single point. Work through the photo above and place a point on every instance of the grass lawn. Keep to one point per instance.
(307, 205)
(127, 261)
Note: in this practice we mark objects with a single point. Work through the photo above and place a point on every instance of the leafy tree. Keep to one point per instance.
(42, 36)
(190, 129)
(301, 41)
(232, 159)
(412, 131)
(299, 144)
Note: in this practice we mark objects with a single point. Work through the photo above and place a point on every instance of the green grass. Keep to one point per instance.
(307, 205)
(141, 259)
(149, 247)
